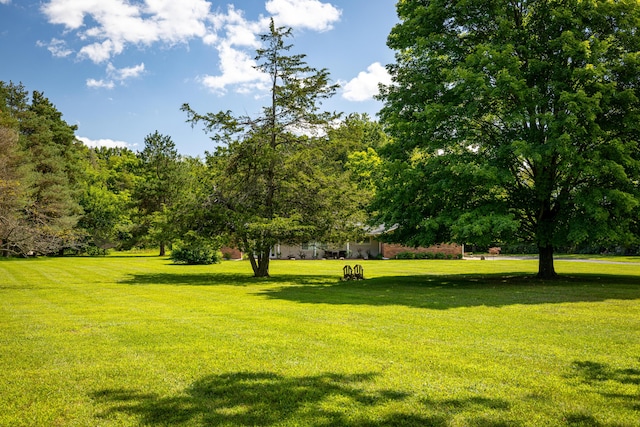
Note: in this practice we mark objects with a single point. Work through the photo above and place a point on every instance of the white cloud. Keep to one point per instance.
(116, 74)
(100, 84)
(238, 30)
(311, 14)
(179, 21)
(108, 26)
(125, 73)
(5, 1)
(238, 68)
(236, 47)
(365, 86)
(57, 47)
(100, 52)
(109, 143)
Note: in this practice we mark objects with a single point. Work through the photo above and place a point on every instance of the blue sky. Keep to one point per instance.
(121, 69)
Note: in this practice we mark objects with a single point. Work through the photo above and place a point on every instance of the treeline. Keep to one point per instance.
(58, 196)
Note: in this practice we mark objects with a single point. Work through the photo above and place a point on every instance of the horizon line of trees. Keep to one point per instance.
(58, 196)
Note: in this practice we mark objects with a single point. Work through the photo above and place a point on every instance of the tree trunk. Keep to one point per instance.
(254, 264)
(259, 260)
(263, 266)
(260, 265)
(163, 250)
(546, 271)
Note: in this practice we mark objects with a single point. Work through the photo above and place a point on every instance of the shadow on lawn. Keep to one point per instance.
(600, 377)
(445, 292)
(420, 291)
(216, 279)
(251, 399)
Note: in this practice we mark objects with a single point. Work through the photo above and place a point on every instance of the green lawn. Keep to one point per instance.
(135, 340)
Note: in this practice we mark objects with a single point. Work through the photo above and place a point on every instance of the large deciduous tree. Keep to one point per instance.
(276, 177)
(513, 119)
(112, 176)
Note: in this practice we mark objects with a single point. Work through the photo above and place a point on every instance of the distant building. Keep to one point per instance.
(370, 248)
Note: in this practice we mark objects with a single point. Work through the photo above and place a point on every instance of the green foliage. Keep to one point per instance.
(161, 188)
(93, 250)
(105, 214)
(274, 178)
(109, 208)
(193, 249)
(45, 200)
(513, 121)
(406, 255)
(426, 255)
(13, 191)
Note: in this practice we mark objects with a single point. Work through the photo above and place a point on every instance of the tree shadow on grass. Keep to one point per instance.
(419, 291)
(218, 279)
(445, 292)
(601, 378)
(265, 399)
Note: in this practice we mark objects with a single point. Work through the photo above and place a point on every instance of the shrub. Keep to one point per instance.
(424, 255)
(406, 255)
(427, 255)
(93, 250)
(195, 250)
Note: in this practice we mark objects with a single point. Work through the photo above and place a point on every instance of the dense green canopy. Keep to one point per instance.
(513, 120)
(40, 168)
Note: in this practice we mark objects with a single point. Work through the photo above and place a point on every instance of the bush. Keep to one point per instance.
(195, 250)
(93, 250)
(519, 249)
(424, 255)
(427, 255)
(406, 255)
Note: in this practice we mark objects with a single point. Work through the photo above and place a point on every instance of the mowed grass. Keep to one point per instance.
(135, 340)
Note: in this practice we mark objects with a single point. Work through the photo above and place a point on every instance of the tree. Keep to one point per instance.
(160, 187)
(112, 175)
(13, 183)
(355, 142)
(56, 156)
(274, 178)
(52, 170)
(513, 120)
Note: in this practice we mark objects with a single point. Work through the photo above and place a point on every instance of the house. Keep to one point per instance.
(370, 248)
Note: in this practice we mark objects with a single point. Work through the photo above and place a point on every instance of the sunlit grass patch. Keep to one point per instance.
(135, 340)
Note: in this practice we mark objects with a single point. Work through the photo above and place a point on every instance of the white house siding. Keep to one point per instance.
(368, 249)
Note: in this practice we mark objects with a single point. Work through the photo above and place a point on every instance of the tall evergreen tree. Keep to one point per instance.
(274, 177)
(160, 186)
(13, 185)
(53, 156)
